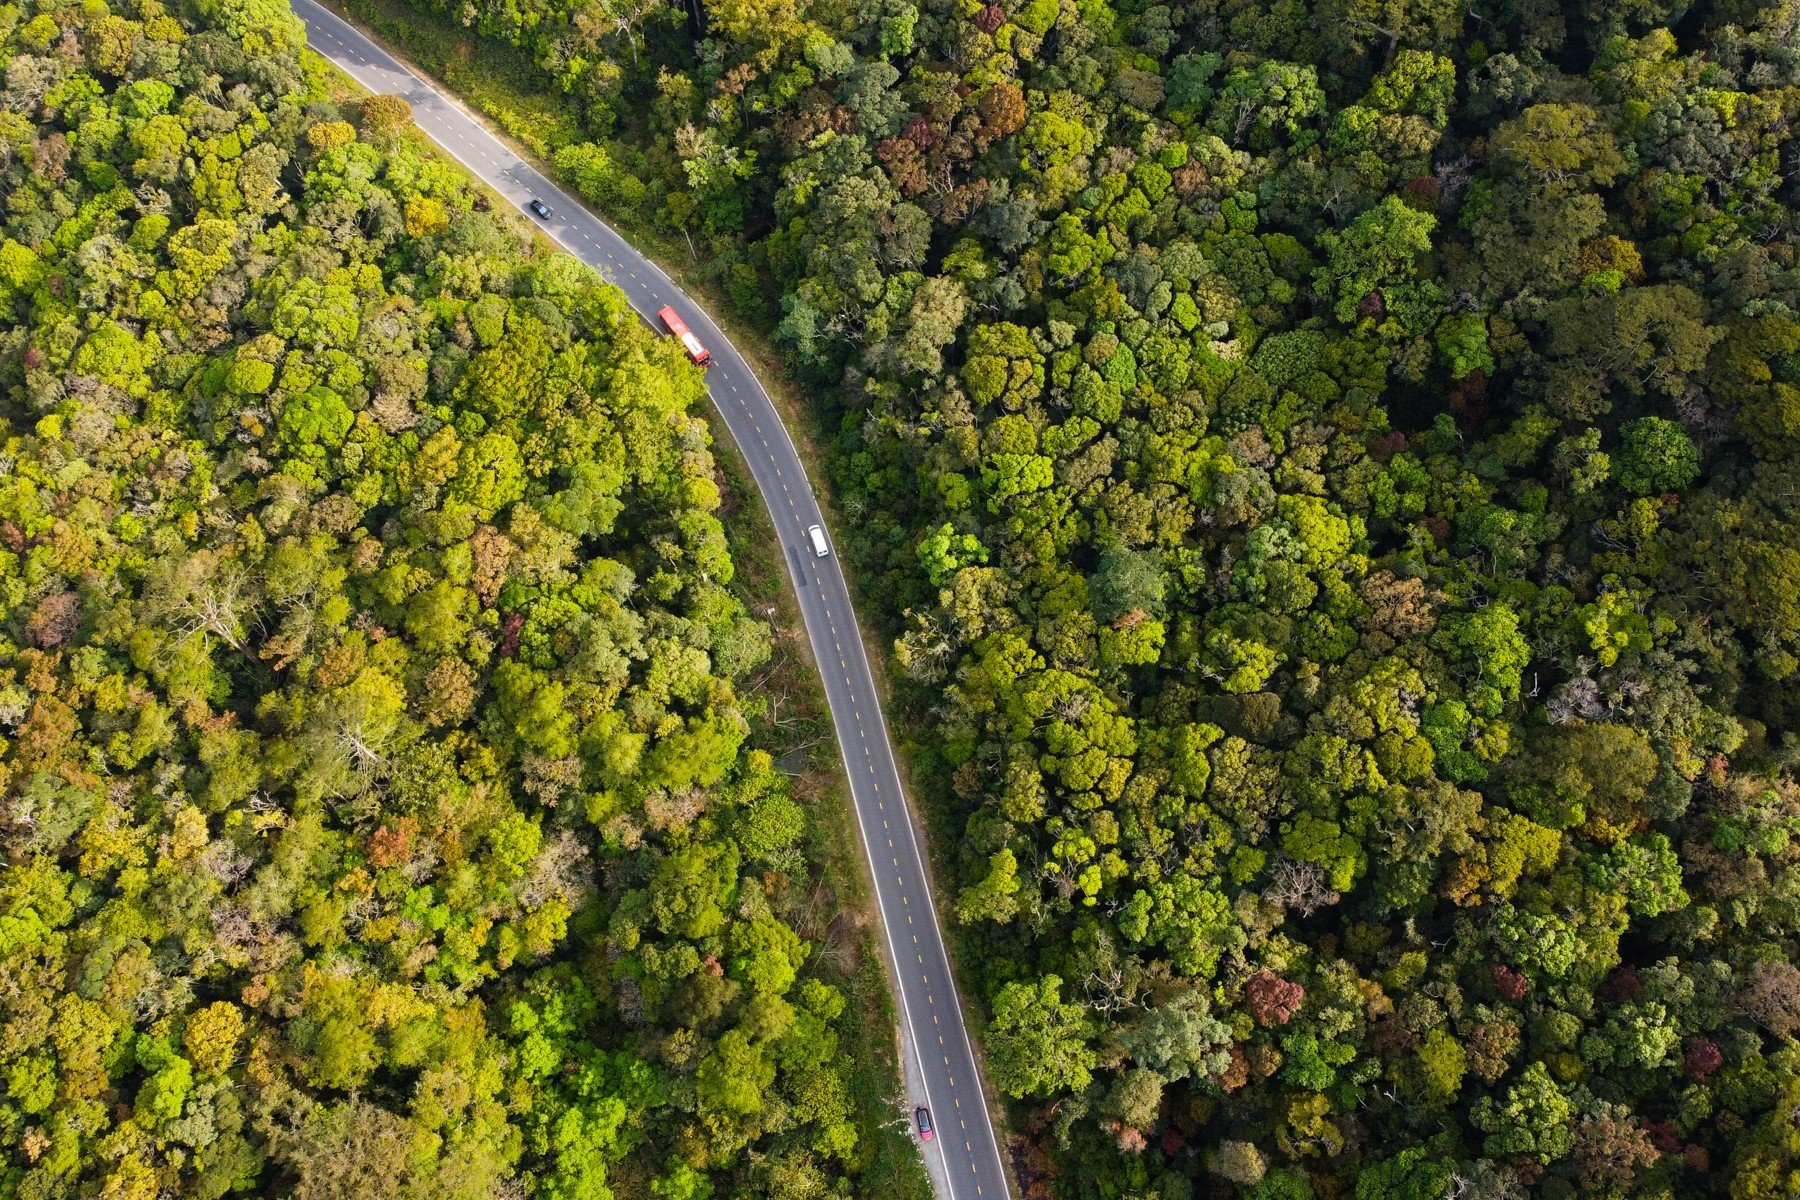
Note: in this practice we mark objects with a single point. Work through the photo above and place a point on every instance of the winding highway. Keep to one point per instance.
(964, 1157)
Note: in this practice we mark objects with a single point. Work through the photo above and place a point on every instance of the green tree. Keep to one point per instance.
(1655, 455)
(1534, 1120)
(1037, 1044)
(1374, 253)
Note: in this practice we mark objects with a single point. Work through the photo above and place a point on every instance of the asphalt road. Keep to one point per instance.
(964, 1157)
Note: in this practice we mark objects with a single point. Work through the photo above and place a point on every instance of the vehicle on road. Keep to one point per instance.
(540, 208)
(675, 325)
(923, 1115)
(821, 547)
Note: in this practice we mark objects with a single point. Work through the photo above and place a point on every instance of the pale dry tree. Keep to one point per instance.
(1300, 886)
(560, 870)
(203, 592)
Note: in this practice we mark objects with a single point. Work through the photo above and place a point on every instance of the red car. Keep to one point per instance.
(924, 1118)
(675, 325)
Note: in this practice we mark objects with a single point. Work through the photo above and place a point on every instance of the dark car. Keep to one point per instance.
(924, 1117)
(541, 209)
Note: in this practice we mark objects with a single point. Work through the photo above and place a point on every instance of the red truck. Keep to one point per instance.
(675, 325)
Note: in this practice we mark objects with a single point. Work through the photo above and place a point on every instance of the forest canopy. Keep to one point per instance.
(378, 799)
(1327, 467)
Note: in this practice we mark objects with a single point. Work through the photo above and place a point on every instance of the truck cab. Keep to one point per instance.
(678, 328)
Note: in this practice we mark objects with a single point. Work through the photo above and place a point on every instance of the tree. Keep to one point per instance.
(690, 889)
(1610, 1151)
(1492, 651)
(212, 1035)
(1414, 1174)
(1591, 772)
(1037, 1044)
(1541, 945)
(1190, 920)
(1181, 1039)
(1534, 1120)
(1640, 341)
(1240, 1163)
(1128, 581)
(383, 117)
(1560, 148)
(1646, 871)
(1135, 1098)
(932, 321)
(1655, 455)
(995, 896)
(1373, 256)
(731, 1081)
(1272, 97)
(352, 1149)
(945, 551)
(1770, 996)
(1271, 999)
(1766, 1161)
(1441, 1065)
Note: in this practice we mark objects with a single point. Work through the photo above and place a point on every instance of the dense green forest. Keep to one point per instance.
(1331, 469)
(379, 803)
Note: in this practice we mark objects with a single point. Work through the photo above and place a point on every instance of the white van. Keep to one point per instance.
(821, 547)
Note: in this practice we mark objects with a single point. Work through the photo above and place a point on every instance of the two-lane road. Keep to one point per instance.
(965, 1154)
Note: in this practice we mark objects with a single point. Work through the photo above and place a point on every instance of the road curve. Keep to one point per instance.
(942, 1071)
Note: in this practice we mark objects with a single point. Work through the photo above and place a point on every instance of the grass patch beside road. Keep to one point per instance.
(491, 77)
